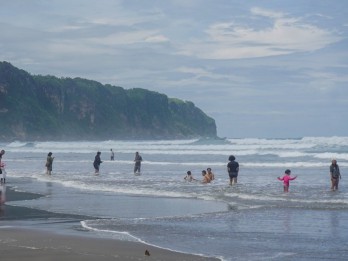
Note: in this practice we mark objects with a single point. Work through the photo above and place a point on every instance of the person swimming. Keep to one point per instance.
(189, 176)
(206, 177)
(211, 174)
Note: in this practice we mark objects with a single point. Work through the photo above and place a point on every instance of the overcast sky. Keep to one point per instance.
(266, 69)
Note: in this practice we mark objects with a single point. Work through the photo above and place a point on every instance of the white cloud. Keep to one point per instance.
(65, 28)
(123, 20)
(127, 38)
(205, 74)
(326, 81)
(156, 39)
(286, 35)
(266, 13)
(194, 71)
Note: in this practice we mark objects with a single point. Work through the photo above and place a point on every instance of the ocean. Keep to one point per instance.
(252, 220)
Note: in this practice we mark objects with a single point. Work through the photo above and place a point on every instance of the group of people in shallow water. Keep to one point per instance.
(335, 176)
(137, 162)
(96, 163)
(208, 175)
(233, 170)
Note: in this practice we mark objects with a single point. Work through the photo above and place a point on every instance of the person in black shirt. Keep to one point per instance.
(232, 169)
(138, 159)
(97, 162)
(49, 163)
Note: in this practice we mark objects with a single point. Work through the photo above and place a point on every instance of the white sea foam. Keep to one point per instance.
(329, 141)
(332, 155)
(285, 198)
(307, 156)
(125, 236)
(16, 144)
(282, 148)
(121, 235)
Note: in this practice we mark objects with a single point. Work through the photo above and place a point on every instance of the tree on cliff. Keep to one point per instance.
(46, 107)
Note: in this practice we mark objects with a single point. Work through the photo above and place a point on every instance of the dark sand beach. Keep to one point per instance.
(27, 244)
(20, 241)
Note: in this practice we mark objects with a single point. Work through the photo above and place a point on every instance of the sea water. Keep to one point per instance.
(252, 220)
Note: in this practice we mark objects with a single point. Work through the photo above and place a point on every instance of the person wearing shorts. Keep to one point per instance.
(233, 169)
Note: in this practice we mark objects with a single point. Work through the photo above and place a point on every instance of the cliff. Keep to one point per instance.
(35, 107)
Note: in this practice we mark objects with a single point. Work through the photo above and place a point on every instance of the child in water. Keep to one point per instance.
(189, 176)
(286, 180)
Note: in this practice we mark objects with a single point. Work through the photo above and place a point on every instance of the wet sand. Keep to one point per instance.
(20, 241)
(26, 244)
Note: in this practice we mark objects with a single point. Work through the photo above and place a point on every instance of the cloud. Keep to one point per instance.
(201, 76)
(195, 71)
(285, 35)
(156, 39)
(266, 13)
(326, 81)
(130, 37)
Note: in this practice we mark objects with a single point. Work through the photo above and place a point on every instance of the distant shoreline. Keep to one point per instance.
(9, 140)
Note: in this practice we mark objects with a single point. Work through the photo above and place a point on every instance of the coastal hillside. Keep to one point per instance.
(35, 107)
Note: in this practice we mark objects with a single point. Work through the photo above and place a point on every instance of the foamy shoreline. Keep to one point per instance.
(33, 244)
(27, 234)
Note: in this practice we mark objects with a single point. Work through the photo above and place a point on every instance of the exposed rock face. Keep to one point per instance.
(47, 107)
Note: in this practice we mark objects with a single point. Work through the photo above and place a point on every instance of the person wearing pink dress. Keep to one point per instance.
(286, 180)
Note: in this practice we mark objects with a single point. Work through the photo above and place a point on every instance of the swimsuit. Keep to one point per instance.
(286, 180)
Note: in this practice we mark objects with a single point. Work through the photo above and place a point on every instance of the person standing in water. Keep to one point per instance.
(2, 197)
(2, 152)
(138, 159)
(232, 169)
(286, 180)
(112, 157)
(335, 175)
(49, 163)
(2, 173)
(97, 162)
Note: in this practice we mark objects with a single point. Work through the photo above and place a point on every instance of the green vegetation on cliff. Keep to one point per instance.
(47, 107)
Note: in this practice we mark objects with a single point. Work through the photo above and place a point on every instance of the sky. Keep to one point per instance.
(260, 68)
